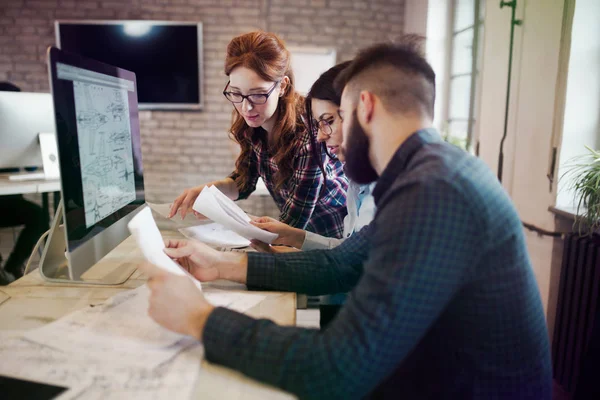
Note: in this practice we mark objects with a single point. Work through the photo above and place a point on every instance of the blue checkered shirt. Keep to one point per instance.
(298, 200)
(443, 302)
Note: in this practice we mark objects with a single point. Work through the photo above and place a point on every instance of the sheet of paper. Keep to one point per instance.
(209, 205)
(150, 241)
(174, 380)
(87, 378)
(232, 209)
(112, 350)
(216, 235)
(22, 358)
(121, 326)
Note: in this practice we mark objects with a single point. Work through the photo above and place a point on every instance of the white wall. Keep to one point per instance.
(308, 63)
(582, 113)
(534, 110)
(415, 16)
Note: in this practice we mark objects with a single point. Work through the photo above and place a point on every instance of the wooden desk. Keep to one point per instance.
(31, 302)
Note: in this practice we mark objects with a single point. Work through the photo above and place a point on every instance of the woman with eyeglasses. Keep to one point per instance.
(322, 103)
(275, 143)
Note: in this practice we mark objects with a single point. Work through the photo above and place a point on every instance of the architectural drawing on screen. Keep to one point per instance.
(104, 148)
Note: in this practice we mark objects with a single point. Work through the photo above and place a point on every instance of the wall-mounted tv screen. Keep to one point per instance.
(166, 56)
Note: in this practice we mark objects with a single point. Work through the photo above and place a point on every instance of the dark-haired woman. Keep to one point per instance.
(322, 103)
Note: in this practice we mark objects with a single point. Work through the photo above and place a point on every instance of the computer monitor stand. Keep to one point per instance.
(56, 262)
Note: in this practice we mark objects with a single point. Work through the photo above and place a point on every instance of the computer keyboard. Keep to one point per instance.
(29, 176)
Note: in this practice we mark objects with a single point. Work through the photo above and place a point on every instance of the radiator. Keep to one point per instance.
(578, 298)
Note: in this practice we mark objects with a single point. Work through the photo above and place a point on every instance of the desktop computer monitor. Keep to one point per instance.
(102, 182)
(22, 117)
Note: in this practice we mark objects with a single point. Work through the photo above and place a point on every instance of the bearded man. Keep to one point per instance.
(442, 299)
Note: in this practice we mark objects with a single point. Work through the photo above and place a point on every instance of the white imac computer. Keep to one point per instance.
(102, 183)
(23, 116)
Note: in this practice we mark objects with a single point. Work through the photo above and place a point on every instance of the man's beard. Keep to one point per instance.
(356, 154)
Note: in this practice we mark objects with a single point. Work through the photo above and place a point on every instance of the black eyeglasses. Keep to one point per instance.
(252, 98)
(324, 124)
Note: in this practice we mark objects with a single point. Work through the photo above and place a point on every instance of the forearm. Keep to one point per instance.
(228, 187)
(233, 267)
(291, 272)
(313, 241)
(293, 237)
(312, 272)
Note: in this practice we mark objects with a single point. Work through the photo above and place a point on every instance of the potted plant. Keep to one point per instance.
(583, 174)
(460, 142)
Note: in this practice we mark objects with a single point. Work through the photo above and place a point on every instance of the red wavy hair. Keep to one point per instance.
(265, 54)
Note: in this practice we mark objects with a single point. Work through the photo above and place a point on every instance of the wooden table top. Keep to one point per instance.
(31, 302)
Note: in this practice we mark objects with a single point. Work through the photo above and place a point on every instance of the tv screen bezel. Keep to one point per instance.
(151, 106)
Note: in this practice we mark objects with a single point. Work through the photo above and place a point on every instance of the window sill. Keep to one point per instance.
(565, 212)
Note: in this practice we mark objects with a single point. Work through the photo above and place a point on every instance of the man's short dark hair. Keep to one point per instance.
(397, 72)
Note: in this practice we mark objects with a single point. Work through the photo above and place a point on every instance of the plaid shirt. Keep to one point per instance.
(298, 199)
(443, 301)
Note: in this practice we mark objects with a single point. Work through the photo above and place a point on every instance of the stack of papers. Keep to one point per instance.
(113, 350)
(88, 379)
(215, 234)
(120, 328)
(206, 231)
(110, 350)
(212, 203)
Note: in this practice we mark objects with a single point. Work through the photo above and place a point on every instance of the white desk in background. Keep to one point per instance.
(8, 187)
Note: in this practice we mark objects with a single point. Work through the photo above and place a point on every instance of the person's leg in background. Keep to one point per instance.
(329, 306)
(18, 211)
(327, 314)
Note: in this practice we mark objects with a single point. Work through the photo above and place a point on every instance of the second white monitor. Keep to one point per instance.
(23, 116)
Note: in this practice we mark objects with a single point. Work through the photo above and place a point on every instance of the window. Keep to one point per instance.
(581, 123)
(463, 71)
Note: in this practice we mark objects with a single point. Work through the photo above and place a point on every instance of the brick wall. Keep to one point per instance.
(183, 149)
